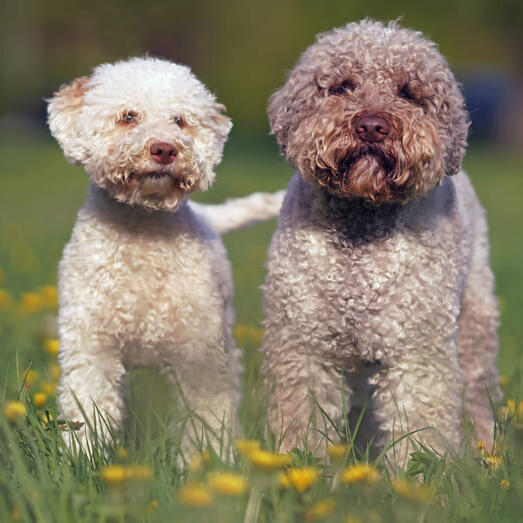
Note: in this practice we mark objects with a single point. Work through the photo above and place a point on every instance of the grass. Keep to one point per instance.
(41, 481)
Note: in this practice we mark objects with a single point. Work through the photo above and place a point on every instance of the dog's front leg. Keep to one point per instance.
(89, 391)
(306, 391)
(418, 399)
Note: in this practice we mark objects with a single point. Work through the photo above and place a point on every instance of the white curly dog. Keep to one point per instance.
(379, 287)
(144, 279)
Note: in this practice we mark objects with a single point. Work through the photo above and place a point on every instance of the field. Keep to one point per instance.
(139, 478)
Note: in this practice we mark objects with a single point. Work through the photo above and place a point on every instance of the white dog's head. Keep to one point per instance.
(145, 129)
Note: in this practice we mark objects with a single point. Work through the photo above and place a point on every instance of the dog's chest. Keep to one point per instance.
(153, 287)
(378, 283)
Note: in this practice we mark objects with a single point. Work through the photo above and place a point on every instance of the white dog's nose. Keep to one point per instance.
(163, 152)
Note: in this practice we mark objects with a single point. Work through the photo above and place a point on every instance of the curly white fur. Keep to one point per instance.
(144, 279)
(378, 290)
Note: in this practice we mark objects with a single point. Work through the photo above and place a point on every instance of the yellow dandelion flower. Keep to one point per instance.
(30, 376)
(5, 299)
(413, 491)
(199, 460)
(320, 510)
(47, 418)
(54, 371)
(113, 474)
(337, 451)
(246, 446)
(227, 483)
(266, 460)
(515, 409)
(300, 478)
(493, 462)
(139, 472)
(153, 505)
(503, 382)
(360, 473)
(49, 296)
(39, 399)
(196, 495)
(51, 346)
(48, 388)
(31, 302)
(248, 334)
(504, 483)
(14, 411)
(480, 446)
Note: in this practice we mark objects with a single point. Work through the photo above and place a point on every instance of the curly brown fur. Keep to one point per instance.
(400, 77)
(378, 280)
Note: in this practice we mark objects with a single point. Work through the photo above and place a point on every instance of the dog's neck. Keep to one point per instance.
(107, 208)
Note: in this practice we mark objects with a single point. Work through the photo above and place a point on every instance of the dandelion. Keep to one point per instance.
(246, 446)
(480, 446)
(39, 399)
(51, 346)
(49, 296)
(113, 474)
(320, 510)
(5, 299)
(14, 411)
(248, 334)
(30, 376)
(300, 478)
(493, 461)
(139, 472)
(413, 491)
(31, 302)
(54, 371)
(337, 452)
(360, 473)
(48, 388)
(227, 483)
(199, 460)
(504, 483)
(195, 495)
(266, 460)
(153, 505)
(515, 409)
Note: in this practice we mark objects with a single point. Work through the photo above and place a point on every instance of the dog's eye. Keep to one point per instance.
(179, 121)
(413, 92)
(342, 88)
(128, 118)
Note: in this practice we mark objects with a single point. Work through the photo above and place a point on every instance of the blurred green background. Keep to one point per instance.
(241, 50)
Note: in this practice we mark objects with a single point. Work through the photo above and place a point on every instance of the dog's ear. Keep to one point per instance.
(221, 123)
(63, 112)
(277, 111)
(454, 114)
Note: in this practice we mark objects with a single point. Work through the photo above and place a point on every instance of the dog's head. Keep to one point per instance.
(371, 111)
(146, 130)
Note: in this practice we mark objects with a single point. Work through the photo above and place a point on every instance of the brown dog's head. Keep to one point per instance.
(371, 111)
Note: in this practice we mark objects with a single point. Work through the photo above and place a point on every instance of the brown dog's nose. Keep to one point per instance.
(163, 152)
(371, 128)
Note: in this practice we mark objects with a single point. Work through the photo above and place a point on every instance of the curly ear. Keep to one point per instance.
(221, 123)
(63, 110)
(278, 119)
(454, 113)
